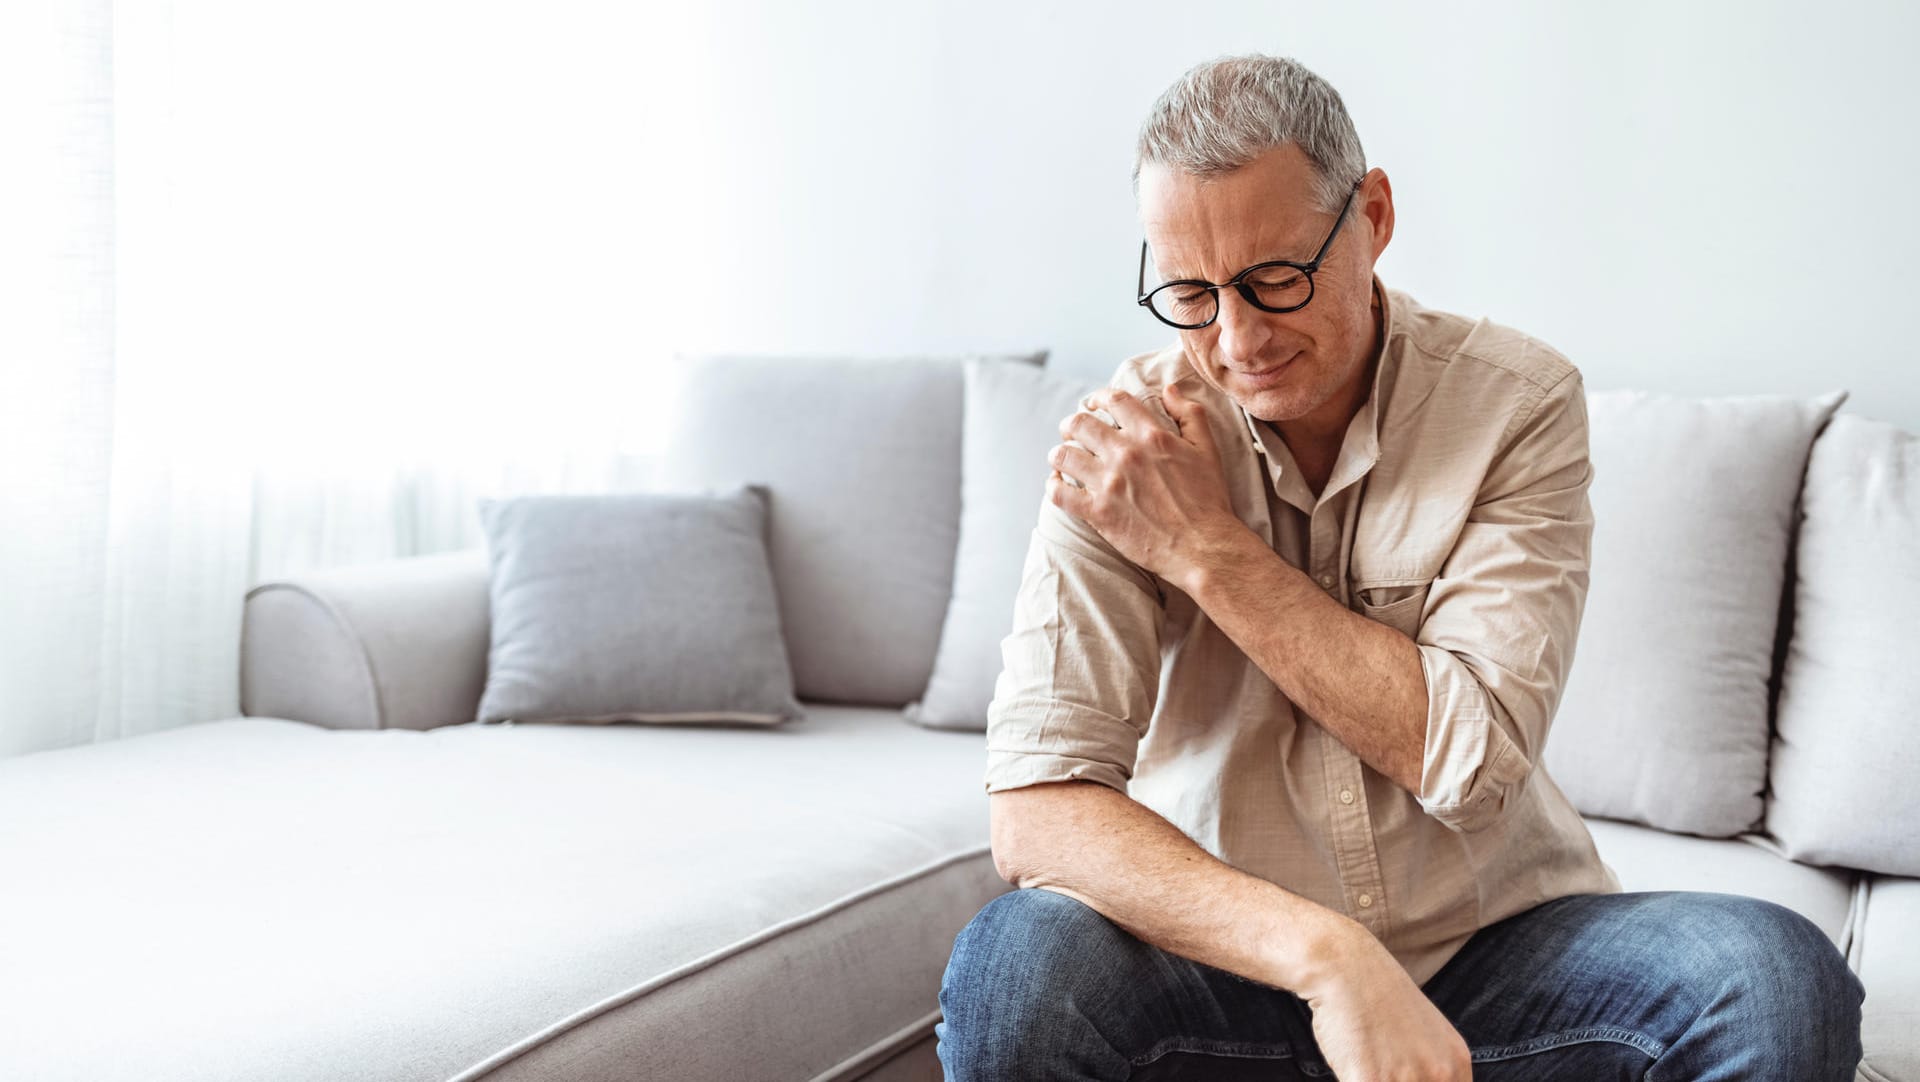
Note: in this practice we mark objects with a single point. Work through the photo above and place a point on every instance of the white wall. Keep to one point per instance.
(1693, 197)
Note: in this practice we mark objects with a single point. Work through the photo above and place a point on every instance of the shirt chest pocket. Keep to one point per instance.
(1400, 543)
(1396, 603)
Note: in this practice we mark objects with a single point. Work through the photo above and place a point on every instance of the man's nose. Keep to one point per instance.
(1243, 328)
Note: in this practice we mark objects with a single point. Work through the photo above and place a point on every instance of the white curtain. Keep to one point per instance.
(56, 365)
(289, 286)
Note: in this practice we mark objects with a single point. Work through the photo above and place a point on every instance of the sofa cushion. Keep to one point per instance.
(258, 898)
(1847, 752)
(1887, 957)
(1664, 717)
(1648, 859)
(634, 606)
(863, 458)
(1011, 420)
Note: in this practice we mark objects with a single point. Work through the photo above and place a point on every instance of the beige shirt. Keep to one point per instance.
(1457, 514)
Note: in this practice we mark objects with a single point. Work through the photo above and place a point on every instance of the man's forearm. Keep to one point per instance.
(1105, 849)
(1360, 679)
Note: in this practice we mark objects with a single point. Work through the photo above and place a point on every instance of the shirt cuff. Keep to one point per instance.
(1017, 769)
(1472, 767)
(1035, 739)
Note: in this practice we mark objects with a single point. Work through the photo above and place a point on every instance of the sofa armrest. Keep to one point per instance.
(397, 644)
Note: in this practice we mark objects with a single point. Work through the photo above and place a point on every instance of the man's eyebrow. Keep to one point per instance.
(1188, 276)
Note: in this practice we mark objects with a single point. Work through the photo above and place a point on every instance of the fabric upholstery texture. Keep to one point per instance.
(1846, 756)
(391, 644)
(1011, 420)
(863, 458)
(1650, 859)
(1664, 720)
(503, 902)
(634, 606)
(1887, 957)
(703, 901)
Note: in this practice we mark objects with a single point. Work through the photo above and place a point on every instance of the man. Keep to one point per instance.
(1265, 755)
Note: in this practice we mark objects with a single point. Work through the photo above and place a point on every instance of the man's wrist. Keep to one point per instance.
(1323, 950)
(1214, 554)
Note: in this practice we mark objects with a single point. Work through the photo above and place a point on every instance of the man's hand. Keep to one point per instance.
(1159, 496)
(1373, 1024)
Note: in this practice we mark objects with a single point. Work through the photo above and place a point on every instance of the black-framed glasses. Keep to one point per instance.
(1278, 285)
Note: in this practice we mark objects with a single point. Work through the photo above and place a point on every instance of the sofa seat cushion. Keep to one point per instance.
(1649, 859)
(1887, 957)
(259, 898)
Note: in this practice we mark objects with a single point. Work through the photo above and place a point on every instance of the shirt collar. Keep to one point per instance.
(1362, 441)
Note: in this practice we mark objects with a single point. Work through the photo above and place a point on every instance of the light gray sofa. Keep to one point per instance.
(355, 880)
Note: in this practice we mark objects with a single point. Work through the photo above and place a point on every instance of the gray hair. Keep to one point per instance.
(1224, 113)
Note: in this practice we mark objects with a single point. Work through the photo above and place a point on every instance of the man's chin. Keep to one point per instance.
(1280, 404)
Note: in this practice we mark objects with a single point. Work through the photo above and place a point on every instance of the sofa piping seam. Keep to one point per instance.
(534, 1040)
(882, 1051)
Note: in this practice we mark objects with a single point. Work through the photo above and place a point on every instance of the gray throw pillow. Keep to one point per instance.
(637, 606)
(1010, 421)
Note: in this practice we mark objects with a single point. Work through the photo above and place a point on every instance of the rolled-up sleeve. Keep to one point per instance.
(1501, 619)
(1080, 669)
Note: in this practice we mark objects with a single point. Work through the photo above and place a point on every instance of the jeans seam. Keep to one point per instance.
(1615, 1034)
(1240, 1049)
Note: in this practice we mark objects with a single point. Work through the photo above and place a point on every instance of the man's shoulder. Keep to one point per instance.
(1149, 373)
(1146, 376)
(1469, 349)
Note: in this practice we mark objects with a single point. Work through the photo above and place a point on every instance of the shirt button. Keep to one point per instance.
(1326, 581)
(1346, 796)
(1366, 901)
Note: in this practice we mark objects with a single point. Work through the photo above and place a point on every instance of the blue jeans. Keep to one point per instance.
(1667, 986)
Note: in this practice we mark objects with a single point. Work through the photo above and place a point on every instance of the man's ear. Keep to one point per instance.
(1376, 194)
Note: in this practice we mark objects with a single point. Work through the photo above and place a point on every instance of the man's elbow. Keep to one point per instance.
(1005, 864)
(1004, 837)
(1028, 826)
(1008, 870)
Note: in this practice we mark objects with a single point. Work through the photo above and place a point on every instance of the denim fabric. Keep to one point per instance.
(1664, 986)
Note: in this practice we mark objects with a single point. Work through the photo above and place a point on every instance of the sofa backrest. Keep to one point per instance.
(862, 457)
